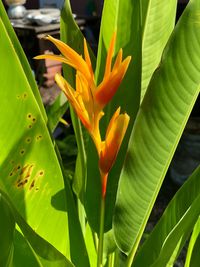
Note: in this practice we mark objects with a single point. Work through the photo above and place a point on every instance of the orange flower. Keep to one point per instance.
(88, 100)
(71, 57)
(82, 101)
(104, 92)
(110, 147)
(112, 78)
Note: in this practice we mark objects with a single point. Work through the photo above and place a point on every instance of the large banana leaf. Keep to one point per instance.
(31, 176)
(158, 18)
(174, 226)
(24, 175)
(124, 18)
(162, 117)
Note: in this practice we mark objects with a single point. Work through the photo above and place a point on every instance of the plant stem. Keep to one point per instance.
(111, 260)
(101, 234)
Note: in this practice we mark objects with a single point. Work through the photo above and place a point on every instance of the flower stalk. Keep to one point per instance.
(101, 233)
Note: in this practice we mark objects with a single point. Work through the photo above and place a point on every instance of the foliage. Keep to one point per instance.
(50, 207)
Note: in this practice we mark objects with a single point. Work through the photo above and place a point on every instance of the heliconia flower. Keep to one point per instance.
(112, 77)
(88, 100)
(110, 147)
(82, 101)
(71, 57)
(105, 91)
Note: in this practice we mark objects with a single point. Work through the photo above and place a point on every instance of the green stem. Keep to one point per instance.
(101, 234)
(131, 256)
(111, 260)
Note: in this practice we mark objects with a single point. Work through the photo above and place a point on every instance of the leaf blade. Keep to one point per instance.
(161, 119)
(158, 23)
(174, 226)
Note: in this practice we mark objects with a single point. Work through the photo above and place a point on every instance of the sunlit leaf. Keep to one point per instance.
(160, 122)
(171, 232)
(31, 175)
(158, 19)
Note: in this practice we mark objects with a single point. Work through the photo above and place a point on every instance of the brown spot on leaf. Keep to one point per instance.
(41, 173)
(28, 140)
(25, 95)
(22, 183)
(22, 151)
(38, 137)
(32, 184)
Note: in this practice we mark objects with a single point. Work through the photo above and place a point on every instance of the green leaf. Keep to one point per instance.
(174, 226)
(56, 111)
(7, 227)
(31, 174)
(89, 238)
(160, 122)
(23, 255)
(24, 62)
(45, 250)
(158, 19)
(28, 159)
(192, 258)
(122, 16)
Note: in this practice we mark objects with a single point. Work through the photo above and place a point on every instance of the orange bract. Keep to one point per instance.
(88, 100)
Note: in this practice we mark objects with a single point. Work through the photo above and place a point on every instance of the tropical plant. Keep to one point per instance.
(50, 219)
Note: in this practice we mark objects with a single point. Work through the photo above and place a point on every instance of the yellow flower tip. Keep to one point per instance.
(127, 61)
(110, 55)
(41, 57)
(87, 58)
(47, 37)
(114, 137)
